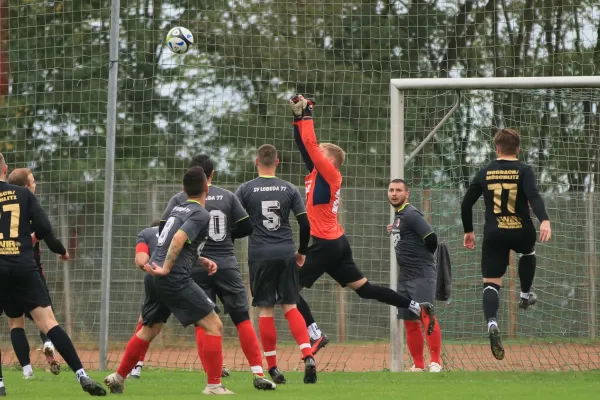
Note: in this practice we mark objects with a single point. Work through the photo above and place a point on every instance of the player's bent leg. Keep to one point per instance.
(213, 353)
(21, 345)
(318, 340)
(300, 333)
(415, 343)
(527, 264)
(46, 322)
(136, 372)
(268, 337)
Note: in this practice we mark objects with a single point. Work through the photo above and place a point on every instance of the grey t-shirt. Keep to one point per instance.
(193, 220)
(149, 236)
(225, 211)
(269, 201)
(408, 230)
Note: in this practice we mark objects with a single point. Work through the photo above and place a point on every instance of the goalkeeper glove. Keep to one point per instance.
(301, 107)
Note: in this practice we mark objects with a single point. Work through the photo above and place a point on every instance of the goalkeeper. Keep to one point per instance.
(330, 251)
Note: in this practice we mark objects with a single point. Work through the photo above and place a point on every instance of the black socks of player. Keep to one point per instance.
(43, 337)
(383, 295)
(305, 311)
(491, 300)
(62, 342)
(526, 271)
(20, 345)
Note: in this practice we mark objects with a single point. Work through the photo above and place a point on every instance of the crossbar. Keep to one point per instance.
(546, 82)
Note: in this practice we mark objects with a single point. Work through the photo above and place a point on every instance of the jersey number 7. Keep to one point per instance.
(498, 188)
(15, 215)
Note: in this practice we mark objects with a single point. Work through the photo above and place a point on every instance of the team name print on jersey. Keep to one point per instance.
(270, 189)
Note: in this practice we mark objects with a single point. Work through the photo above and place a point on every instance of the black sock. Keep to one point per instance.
(43, 337)
(384, 295)
(491, 300)
(63, 344)
(526, 272)
(20, 345)
(305, 311)
(1, 367)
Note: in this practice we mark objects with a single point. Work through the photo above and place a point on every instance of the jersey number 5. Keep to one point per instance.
(272, 221)
(15, 215)
(498, 188)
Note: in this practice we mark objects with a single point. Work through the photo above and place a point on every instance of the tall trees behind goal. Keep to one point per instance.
(228, 95)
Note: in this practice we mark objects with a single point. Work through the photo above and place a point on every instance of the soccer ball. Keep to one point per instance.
(179, 40)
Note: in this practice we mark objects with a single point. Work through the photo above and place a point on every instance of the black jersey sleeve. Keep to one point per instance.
(533, 196)
(40, 222)
(54, 244)
(473, 194)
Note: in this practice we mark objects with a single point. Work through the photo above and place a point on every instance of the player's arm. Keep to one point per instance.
(537, 203)
(302, 149)
(40, 223)
(142, 251)
(417, 222)
(170, 206)
(299, 211)
(179, 240)
(55, 245)
(303, 121)
(242, 225)
(473, 194)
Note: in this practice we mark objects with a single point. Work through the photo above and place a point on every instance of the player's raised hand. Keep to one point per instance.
(301, 107)
(156, 270)
(300, 259)
(469, 241)
(545, 231)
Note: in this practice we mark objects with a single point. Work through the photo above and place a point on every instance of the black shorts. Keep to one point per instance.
(227, 284)
(274, 282)
(497, 245)
(22, 290)
(419, 290)
(185, 300)
(333, 257)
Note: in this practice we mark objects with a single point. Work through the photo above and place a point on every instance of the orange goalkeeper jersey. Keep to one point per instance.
(323, 184)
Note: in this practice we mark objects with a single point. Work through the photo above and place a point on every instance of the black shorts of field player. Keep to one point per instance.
(184, 299)
(419, 290)
(22, 290)
(497, 244)
(333, 257)
(227, 284)
(273, 282)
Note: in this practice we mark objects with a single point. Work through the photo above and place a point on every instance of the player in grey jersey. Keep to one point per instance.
(273, 258)
(229, 221)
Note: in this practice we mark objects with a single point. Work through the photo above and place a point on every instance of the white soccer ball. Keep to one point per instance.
(179, 40)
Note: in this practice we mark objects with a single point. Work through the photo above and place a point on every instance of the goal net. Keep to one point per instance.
(559, 133)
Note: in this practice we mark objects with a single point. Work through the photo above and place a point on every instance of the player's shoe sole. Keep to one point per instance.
(262, 383)
(114, 384)
(277, 376)
(224, 373)
(310, 370)
(496, 343)
(427, 309)
(435, 367)
(91, 387)
(524, 303)
(219, 390)
(29, 376)
(52, 362)
(318, 344)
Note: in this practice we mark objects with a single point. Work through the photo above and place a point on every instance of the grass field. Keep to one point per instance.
(332, 385)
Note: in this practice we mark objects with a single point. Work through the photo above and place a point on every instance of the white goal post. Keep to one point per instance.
(399, 160)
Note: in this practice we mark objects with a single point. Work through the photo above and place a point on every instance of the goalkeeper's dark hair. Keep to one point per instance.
(398, 180)
(204, 161)
(194, 182)
(508, 140)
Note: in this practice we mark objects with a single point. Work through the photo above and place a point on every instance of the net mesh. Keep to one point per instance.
(228, 95)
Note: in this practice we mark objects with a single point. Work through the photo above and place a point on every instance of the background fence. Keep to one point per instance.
(227, 96)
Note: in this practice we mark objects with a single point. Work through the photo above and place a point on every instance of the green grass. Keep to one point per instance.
(167, 385)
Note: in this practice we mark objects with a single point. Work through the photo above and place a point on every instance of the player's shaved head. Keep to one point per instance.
(398, 180)
(267, 155)
(336, 152)
(205, 162)
(508, 141)
(19, 177)
(194, 182)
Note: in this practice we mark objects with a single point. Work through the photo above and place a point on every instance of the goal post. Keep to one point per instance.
(399, 161)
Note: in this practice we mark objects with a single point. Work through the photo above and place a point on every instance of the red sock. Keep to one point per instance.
(268, 337)
(213, 357)
(415, 342)
(135, 348)
(200, 341)
(434, 341)
(299, 331)
(138, 327)
(250, 346)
